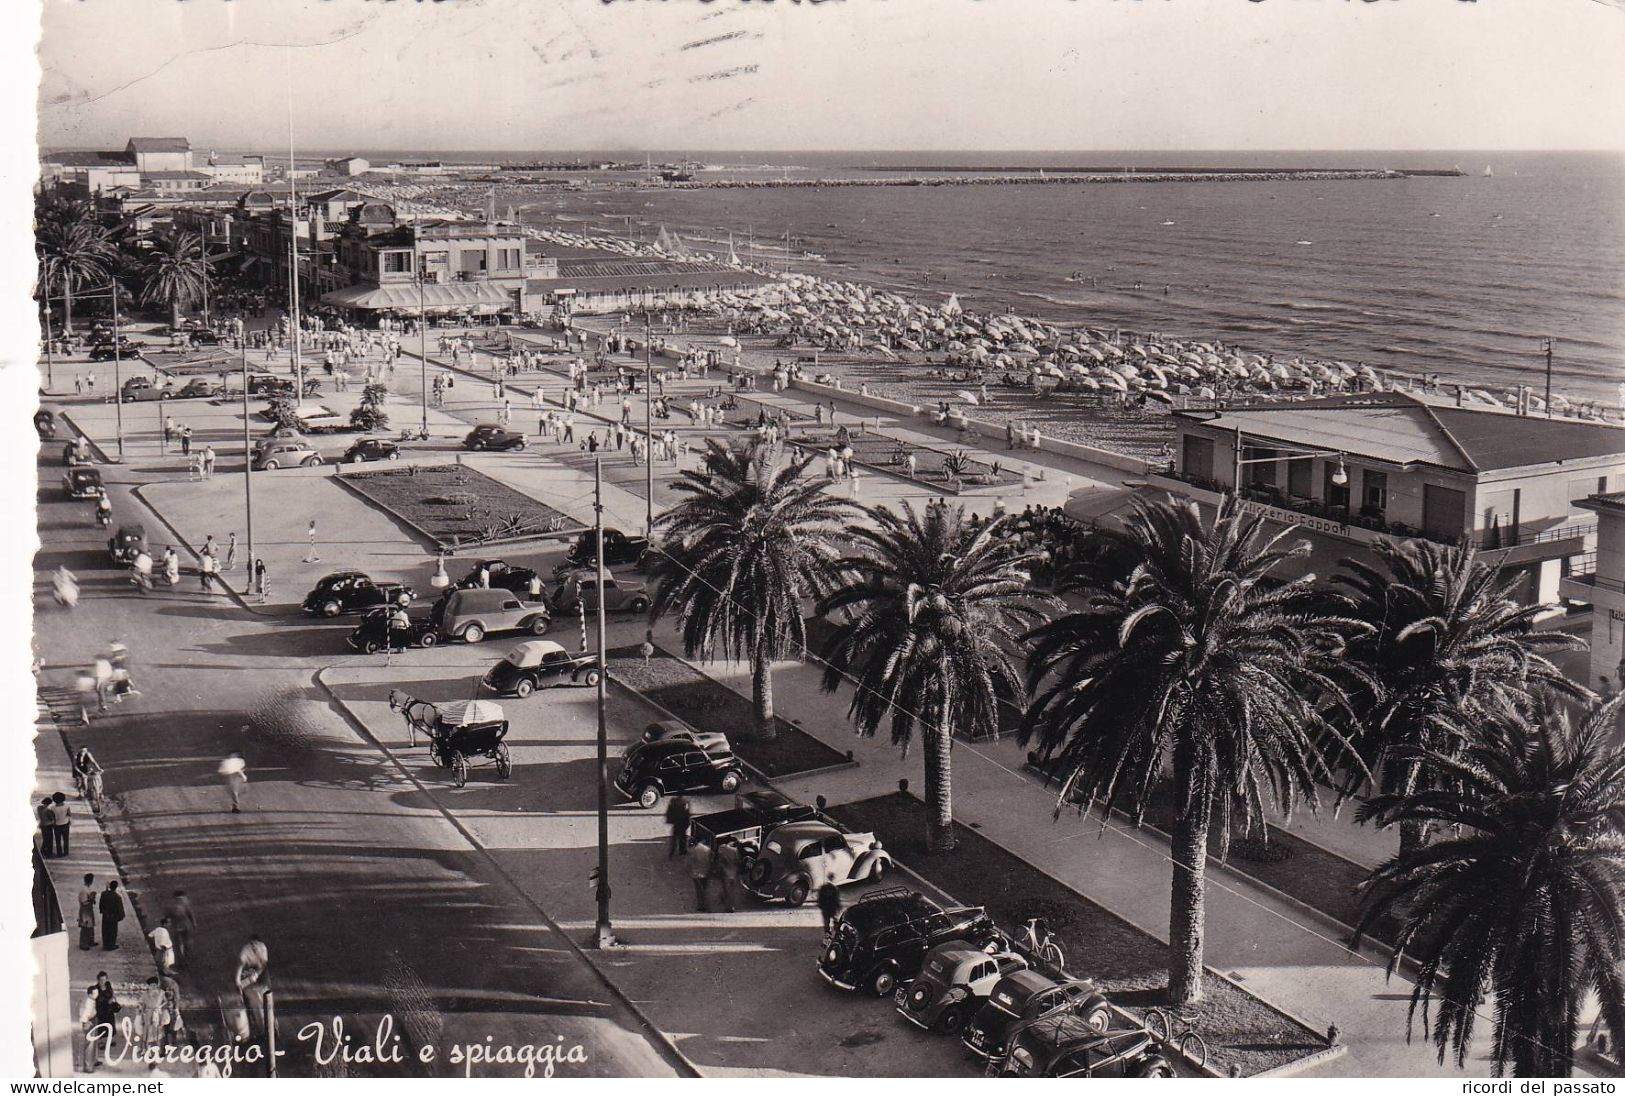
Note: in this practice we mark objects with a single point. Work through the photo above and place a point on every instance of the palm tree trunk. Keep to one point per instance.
(1194, 810)
(761, 692)
(174, 313)
(939, 792)
(67, 307)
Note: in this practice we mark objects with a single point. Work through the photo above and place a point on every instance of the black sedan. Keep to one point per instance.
(501, 575)
(107, 351)
(140, 390)
(352, 592)
(537, 664)
(618, 549)
(198, 389)
(370, 449)
(654, 769)
(487, 437)
(262, 385)
(374, 634)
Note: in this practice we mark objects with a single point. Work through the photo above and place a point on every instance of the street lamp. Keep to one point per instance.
(648, 430)
(1340, 474)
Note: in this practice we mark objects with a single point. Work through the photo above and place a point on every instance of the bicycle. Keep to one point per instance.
(90, 788)
(1037, 938)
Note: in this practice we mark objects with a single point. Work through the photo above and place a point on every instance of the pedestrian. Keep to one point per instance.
(186, 440)
(182, 922)
(829, 904)
(87, 914)
(234, 772)
(163, 946)
(152, 1012)
(169, 429)
(205, 572)
(913, 464)
(63, 822)
(728, 868)
(87, 1025)
(699, 869)
(678, 816)
(231, 551)
(172, 566)
(45, 814)
(111, 905)
(208, 462)
(310, 554)
(647, 650)
(262, 584)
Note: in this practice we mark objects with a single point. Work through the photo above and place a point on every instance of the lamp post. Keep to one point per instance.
(248, 470)
(50, 372)
(1547, 345)
(423, 328)
(648, 430)
(603, 936)
(1340, 475)
(118, 385)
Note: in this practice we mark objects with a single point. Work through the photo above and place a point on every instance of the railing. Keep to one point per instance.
(1585, 573)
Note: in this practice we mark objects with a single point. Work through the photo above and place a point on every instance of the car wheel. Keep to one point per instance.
(759, 872)
(877, 873)
(590, 678)
(330, 608)
(883, 982)
(952, 1020)
(369, 647)
(519, 448)
(394, 456)
(798, 893)
(271, 466)
(473, 633)
(731, 781)
(476, 446)
(1099, 1018)
(524, 688)
(428, 640)
(313, 462)
(638, 605)
(648, 797)
(538, 626)
(1158, 1069)
(165, 395)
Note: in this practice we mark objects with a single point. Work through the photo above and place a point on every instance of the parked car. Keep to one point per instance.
(76, 451)
(286, 453)
(125, 544)
(1029, 995)
(580, 588)
(501, 575)
(264, 384)
(619, 549)
(81, 482)
(352, 592)
(1066, 1046)
(140, 390)
(654, 769)
(487, 436)
(45, 424)
(882, 938)
(107, 351)
(672, 730)
(471, 615)
(798, 858)
(758, 813)
(954, 981)
(370, 449)
(372, 633)
(537, 664)
(197, 388)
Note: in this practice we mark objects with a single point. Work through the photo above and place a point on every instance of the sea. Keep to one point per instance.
(1464, 277)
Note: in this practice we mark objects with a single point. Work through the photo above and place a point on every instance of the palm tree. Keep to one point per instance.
(73, 249)
(1522, 900)
(752, 536)
(173, 273)
(1189, 653)
(1447, 643)
(931, 614)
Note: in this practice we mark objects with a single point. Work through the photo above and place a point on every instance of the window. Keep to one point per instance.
(1300, 478)
(397, 262)
(1197, 457)
(512, 603)
(1261, 474)
(1374, 491)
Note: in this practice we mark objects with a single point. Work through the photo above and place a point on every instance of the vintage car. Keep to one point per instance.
(108, 351)
(579, 589)
(753, 815)
(373, 632)
(501, 575)
(1066, 1046)
(286, 453)
(618, 549)
(370, 449)
(127, 543)
(82, 482)
(1031, 995)
(799, 857)
(883, 937)
(954, 980)
(537, 664)
(76, 451)
(264, 384)
(197, 388)
(352, 592)
(654, 769)
(45, 423)
(488, 436)
(471, 615)
(672, 729)
(140, 390)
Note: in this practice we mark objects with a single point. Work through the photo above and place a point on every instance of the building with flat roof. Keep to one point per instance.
(436, 265)
(1598, 579)
(150, 154)
(1351, 469)
(348, 165)
(240, 170)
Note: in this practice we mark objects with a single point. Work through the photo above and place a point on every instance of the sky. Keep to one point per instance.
(841, 74)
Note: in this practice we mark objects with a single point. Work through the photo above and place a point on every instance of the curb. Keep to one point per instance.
(1292, 1069)
(663, 1042)
(434, 543)
(95, 446)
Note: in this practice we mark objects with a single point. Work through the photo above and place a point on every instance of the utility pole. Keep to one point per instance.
(50, 372)
(206, 273)
(603, 937)
(423, 325)
(1546, 345)
(648, 430)
(248, 471)
(118, 385)
(293, 272)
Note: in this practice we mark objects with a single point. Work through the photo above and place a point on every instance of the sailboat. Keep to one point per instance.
(733, 256)
(1488, 172)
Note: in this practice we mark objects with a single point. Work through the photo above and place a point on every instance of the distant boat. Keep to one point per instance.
(1307, 243)
(1488, 172)
(1167, 222)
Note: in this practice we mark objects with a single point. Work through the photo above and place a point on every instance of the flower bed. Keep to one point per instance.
(711, 706)
(1129, 965)
(455, 506)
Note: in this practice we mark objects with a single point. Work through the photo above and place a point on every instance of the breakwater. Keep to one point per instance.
(1028, 179)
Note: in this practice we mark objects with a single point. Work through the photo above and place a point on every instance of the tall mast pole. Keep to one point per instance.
(248, 471)
(1548, 347)
(118, 385)
(603, 937)
(293, 271)
(423, 325)
(648, 430)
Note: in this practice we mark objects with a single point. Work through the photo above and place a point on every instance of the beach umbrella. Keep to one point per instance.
(728, 340)
(968, 397)
(1205, 393)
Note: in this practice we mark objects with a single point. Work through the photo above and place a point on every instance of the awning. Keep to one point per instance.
(406, 297)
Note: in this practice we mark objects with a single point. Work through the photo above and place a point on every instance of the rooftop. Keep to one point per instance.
(197, 175)
(159, 144)
(88, 159)
(1402, 429)
(1611, 503)
(653, 283)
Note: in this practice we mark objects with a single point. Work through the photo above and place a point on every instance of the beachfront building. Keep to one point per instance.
(603, 285)
(151, 154)
(1349, 470)
(1598, 580)
(235, 170)
(438, 266)
(348, 165)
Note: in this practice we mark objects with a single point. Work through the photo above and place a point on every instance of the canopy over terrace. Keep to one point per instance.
(457, 297)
